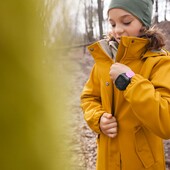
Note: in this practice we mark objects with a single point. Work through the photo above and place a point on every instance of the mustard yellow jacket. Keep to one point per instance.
(142, 110)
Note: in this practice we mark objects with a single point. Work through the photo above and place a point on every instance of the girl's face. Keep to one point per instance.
(124, 24)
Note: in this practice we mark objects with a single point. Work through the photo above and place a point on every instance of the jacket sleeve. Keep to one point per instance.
(91, 101)
(150, 99)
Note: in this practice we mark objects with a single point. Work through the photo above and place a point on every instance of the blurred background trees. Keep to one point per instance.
(86, 20)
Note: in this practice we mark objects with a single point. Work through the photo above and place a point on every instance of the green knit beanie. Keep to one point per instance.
(142, 9)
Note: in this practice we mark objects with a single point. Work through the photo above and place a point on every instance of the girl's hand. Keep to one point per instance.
(108, 125)
(117, 69)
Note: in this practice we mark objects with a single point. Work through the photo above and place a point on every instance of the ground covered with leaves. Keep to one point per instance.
(84, 140)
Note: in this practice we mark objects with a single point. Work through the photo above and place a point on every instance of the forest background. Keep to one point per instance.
(44, 65)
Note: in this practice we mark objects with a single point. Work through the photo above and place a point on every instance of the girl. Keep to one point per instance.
(126, 100)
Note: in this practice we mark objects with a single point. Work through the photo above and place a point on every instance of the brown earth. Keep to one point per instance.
(84, 140)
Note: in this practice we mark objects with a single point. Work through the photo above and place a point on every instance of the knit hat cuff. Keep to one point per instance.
(142, 9)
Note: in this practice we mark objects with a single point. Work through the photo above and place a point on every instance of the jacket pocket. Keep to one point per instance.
(143, 149)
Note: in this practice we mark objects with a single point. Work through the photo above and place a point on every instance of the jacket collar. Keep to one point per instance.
(134, 47)
(131, 48)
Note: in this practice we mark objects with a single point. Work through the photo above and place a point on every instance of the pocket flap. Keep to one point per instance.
(143, 149)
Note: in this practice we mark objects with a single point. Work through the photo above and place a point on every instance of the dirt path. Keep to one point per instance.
(84, 141)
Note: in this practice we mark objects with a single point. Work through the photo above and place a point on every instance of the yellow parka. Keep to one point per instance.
(142, 110)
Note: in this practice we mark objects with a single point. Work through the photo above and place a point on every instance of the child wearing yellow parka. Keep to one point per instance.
(126, 99)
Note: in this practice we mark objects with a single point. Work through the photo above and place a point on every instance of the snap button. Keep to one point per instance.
(107, 83)
(91, 49)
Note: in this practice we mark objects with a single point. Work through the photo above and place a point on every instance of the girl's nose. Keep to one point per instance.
(118, 29)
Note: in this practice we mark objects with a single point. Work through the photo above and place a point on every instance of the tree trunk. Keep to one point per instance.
(90, 21)
(85, 17)
(155, 20)
(165, 12)
(88, 15)
(100, 16)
